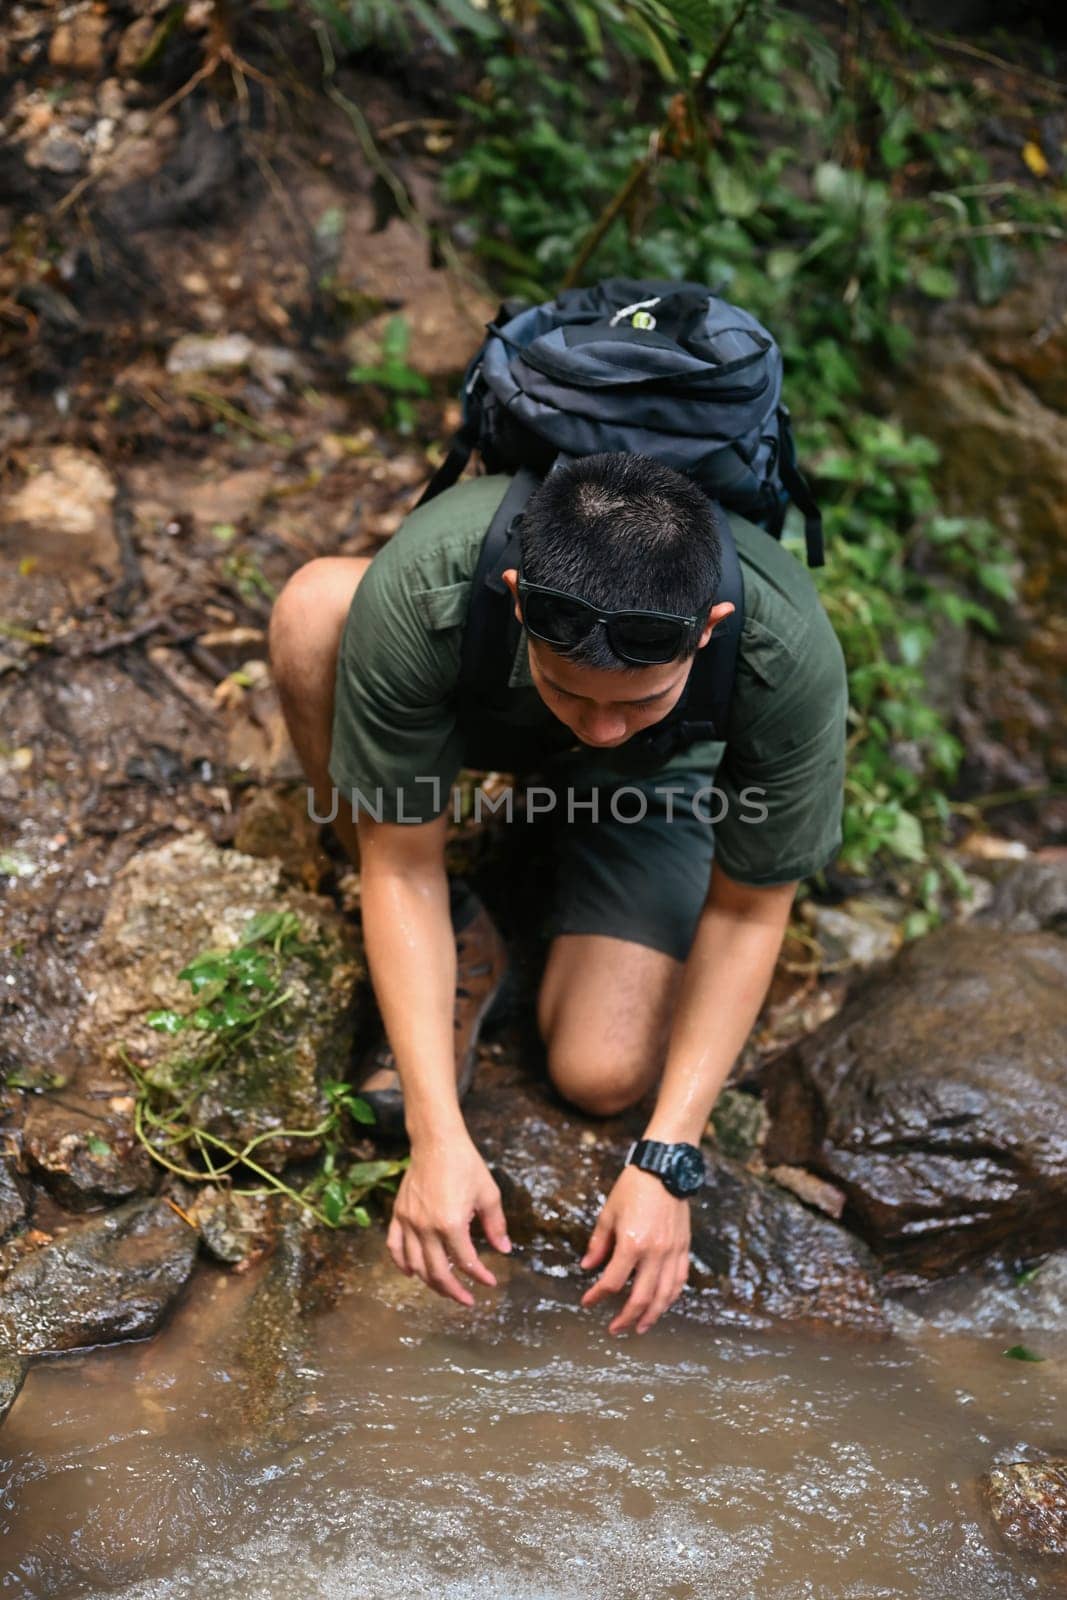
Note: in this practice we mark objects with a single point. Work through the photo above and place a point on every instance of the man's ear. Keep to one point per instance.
(716, 615)
(511, 578)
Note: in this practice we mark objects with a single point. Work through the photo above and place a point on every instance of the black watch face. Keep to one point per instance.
(687, 1170)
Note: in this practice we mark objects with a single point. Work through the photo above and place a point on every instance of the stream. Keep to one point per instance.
(398, 1446)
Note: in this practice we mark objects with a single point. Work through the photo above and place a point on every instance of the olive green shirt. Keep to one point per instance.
(398, 748)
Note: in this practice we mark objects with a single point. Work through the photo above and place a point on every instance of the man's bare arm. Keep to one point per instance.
(723, 986)
(643, 1230)
(411, 952)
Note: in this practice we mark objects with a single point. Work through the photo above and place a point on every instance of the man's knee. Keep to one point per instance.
(602, 1088)
(309, 614)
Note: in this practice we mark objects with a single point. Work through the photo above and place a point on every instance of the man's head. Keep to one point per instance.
(624, 533)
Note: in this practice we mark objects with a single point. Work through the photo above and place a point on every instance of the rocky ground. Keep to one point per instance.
(182, 293)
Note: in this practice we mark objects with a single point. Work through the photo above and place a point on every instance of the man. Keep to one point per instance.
(660, 957)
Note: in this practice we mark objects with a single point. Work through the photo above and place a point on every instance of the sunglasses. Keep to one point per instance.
(641, 638)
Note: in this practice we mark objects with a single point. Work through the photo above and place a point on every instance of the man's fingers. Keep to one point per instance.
(666, 1293)
(646, 1283)
(490, 1214)
(412, 1250)
(439, 1274)
(394, 1243)
(599, 1246)
(466, 1258)
(613, 1278)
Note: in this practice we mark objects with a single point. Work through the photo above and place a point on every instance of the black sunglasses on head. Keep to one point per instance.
(641, 638)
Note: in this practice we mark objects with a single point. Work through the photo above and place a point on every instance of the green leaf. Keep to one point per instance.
(97, 1146)
(333, 1201)
(782, 264)
(940, 283)
(996, 577)
(364, 1174)
(204, 971)
(361, 1215)
(1023, 1278)
(695, 18)
(734, 195)
(906, 838)
(166, 1021)
(267, 925)
(1022, 1352)
(358, 1109)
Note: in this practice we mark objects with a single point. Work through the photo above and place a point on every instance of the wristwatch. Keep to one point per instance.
(679, 1167)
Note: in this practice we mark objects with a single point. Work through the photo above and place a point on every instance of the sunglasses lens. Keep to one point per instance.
(651, 640)
(558, 619)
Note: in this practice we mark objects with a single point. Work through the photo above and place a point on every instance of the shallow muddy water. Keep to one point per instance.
(407, 1449)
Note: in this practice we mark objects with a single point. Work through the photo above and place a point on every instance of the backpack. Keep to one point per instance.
(666, 369)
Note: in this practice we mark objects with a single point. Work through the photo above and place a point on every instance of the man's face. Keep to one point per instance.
(601, 708)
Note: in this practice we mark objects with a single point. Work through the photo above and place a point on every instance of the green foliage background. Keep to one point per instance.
(833, 179)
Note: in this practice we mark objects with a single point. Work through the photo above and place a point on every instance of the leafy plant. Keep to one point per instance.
(232, 992)
(393, 374)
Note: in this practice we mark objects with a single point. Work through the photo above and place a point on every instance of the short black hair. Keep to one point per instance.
(622, 531)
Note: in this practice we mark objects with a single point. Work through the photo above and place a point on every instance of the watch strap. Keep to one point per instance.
(651, 1155)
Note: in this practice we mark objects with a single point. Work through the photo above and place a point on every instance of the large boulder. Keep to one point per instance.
(1027, 1501)
(936, 1100)
(175, 903)
(100, 1281)
(758, 1255)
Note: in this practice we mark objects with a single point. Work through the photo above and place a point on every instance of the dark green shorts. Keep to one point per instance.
(638, 867)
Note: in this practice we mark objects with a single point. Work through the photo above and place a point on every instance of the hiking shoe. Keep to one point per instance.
(481, 970)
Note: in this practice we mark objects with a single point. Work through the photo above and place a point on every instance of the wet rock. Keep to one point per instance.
(1030, 896)
(268, 1354)
(84, 1157)
(1018, 1308)
(1027, 1501)
(936, 1100)
(100, 1281)
(172, 904)
(856, 934)
(275, 826)
(12, 1198)
(739, 1123)
(764, 1257)
(759, 1256)
(77, 45)
(235, 1227)
(13, 1369)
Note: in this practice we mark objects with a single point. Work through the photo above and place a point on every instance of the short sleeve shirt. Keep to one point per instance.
(397, 746)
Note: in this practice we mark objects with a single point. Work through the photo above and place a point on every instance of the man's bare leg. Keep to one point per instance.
(305, 637)
(604, 1012)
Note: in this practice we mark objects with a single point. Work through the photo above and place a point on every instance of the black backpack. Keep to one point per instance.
(665, 369)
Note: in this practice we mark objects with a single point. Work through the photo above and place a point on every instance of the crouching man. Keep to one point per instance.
(678, 845)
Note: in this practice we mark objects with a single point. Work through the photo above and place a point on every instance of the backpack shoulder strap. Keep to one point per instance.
(491, 633)
(799, 491)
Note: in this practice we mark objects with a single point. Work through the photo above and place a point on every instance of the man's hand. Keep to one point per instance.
(645, 1231)
(441, 1193)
